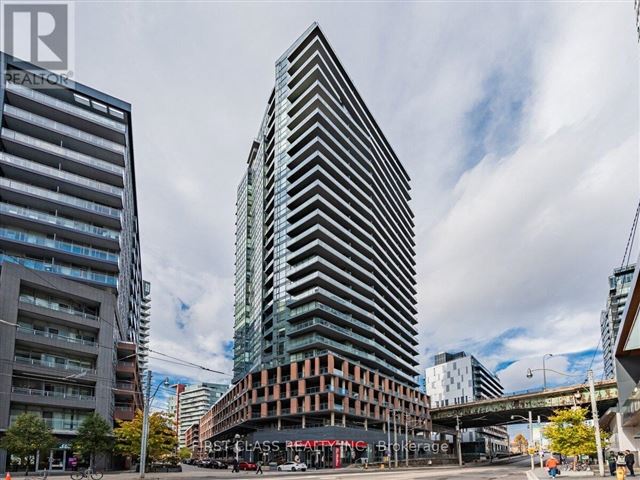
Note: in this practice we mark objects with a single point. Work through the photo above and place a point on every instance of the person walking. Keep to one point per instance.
(236, 466)
(552, 466)
(259, 467)
(630, 460)
(612, 463)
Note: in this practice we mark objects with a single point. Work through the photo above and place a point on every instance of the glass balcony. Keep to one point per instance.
(41, 240)
(52, 305)
(29, 213)
(51, 394)
(62, 198)
(58, 424)
(67, 107)
(53, 336)
(52, 364)
(64, 129)
(61, 174)
(69, 271)
(62, 151)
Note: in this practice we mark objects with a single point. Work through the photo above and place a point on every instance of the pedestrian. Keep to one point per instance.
(630, 460)
(259, 468)
(612, 463)
(552, 466)
(236, 466)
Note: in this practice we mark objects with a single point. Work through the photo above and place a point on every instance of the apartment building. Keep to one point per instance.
(611, 317)
(457, 378)
(193, 402)
(71, 289)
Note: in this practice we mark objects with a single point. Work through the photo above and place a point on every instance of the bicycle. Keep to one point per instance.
(88, 473)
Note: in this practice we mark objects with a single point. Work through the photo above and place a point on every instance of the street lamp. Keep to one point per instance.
(530, 420)
(145, 421)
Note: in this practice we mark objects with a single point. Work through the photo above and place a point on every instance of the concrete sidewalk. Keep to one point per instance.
(541, 474)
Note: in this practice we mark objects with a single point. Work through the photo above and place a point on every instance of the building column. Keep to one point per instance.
(344, 420)
(279, 423)
(304, 421)
(333, 418)
(366, 424)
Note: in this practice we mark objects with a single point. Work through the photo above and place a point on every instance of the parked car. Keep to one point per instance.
(219, 465)
(247, 466)
(292, 467)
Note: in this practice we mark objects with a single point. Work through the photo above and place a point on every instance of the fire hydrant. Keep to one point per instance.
(621, 473)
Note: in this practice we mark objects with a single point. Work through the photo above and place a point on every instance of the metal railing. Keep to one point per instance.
(74, 272)
(41, 302)
(67, 107)
(31, 214)
(56, 336)
(49, 393)
(50, 364)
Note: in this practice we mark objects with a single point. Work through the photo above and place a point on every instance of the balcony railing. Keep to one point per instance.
(49, 364)
(61, 197)
(63, 152)
(33, 239)
(51, 394)
(60, 174)
(64, 129)
(55, 336)
(29, 213)
(41, 302)
(67, 107)
(58, 424)
(73, 272)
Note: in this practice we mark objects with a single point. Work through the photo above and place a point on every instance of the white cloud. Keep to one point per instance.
(517, 240)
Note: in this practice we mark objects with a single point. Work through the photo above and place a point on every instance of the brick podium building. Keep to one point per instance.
(325, 348)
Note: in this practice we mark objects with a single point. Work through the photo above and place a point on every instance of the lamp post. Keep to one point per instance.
(145, 421)
(458, 440)
(530, 420)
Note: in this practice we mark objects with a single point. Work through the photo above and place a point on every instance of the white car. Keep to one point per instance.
(292, 467)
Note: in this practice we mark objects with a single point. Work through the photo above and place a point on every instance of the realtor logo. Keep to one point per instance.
(39, 33)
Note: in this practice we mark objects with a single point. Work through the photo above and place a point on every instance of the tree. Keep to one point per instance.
(28, 435)
(521, 442)
(570, 435)
(94, 436)
(162, 442)
(184, 453)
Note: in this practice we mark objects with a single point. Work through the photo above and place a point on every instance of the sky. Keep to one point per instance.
(517, 122)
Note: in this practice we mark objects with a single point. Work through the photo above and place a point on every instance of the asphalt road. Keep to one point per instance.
(510, 471)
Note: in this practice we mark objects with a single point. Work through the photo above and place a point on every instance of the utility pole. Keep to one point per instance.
(389, 438)
(395, 440)
(540, 450)
(145, 426)
(596, 421)
(458, 440)
(406, 440)
(531, 439)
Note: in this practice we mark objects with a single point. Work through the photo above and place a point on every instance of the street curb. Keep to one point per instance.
(531, 475)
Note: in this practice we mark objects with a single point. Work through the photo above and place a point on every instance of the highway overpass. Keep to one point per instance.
(498, 411)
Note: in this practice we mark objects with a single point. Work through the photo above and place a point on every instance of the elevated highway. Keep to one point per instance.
(498, 411)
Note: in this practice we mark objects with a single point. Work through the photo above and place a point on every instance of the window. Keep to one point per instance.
(116, 113)
(82, 100)
(101, 107)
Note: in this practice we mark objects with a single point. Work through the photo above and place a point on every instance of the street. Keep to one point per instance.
(508, 471)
